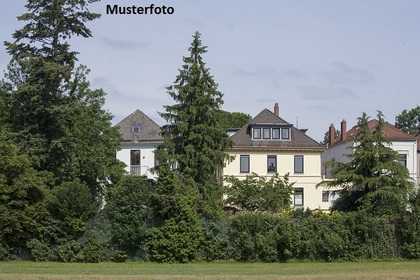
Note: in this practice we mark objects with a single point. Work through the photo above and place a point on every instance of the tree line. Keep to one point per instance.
(65, 197)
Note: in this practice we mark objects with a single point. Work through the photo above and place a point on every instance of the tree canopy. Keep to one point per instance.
(373, 179)
(234, 119)
(257, 193)
(409, 120)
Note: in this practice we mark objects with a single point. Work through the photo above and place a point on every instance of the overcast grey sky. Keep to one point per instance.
(322, 61)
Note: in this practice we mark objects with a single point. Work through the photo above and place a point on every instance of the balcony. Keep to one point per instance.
(142, 170)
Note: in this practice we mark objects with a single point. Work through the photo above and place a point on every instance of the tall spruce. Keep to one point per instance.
(373, 179)
(195, 142)
(56, 120)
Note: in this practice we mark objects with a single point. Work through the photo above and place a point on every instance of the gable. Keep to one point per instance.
(138, 127)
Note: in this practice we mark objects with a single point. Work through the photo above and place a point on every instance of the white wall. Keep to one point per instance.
(147, 156)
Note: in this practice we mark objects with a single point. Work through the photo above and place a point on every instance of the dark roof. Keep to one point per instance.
(299, 140)
(148, 129)
(391, 133)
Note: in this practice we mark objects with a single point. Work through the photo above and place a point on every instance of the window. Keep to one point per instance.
(257, 133)
(285, 133)
(266, 133)
(244, 164)
(135, 168)
(135, 129)
(325, 196)
(403, 159)
(298, 164)
(276, 133)
(271, 163)
(298, 197)
(135, 157)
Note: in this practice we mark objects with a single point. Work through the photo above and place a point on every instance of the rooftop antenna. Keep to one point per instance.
(297, 122)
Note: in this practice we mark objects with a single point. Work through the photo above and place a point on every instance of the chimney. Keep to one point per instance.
(396, 122)
(331, 137)
(343, 129)
(276, 109)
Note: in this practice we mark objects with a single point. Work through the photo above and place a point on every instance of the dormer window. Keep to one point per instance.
(256, 133)
(285, 133)
(276, 133)
(135, 129)
(271, 133)
(267, 133)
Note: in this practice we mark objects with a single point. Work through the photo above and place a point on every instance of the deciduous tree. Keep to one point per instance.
(257, 193)
(409, 120)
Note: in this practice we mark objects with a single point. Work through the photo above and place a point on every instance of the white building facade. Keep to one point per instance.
(141, 136)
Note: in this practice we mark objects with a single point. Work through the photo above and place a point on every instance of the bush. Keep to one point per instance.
(92, 250)
(40, 251)
(68, 251)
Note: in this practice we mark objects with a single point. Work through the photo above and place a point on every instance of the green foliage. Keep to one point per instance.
(256, 193)
(128, 211)
(312, 236)
(67, 252)
(92, 250)
(176, 234)
(409, 120)
(72, 200)
(22, 195)
(194, 141)
(178, 239)
(373, 179)
(63, 151)
(410, 228)
(40, 251)
(233, 119)
(215, 240)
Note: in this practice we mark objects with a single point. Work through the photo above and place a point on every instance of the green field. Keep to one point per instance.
(226, 270)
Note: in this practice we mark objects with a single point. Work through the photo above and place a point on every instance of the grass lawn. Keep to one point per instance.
(224, 270)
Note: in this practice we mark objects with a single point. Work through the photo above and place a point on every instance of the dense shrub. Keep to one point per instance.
(312, 236)
(178, 239)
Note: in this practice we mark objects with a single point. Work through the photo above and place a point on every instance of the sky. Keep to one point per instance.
(323, 61)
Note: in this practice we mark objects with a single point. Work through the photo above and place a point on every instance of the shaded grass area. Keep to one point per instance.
(226, 270)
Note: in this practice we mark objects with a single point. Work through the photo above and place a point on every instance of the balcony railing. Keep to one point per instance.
(142, 170)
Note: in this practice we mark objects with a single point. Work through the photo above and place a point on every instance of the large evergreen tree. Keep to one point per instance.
(56, 121)
(373, 179)
(195, 142)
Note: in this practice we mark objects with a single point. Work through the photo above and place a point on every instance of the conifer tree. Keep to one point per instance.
(56, 121)
(195, 142)
(373, 179)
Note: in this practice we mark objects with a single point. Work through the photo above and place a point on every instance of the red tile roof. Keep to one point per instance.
(391, 133)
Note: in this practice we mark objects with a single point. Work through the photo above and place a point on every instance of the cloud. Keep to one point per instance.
(327, 93)
(343, 74)
(256, 71)
(271, 73)
(106, 85)
(124, 44)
